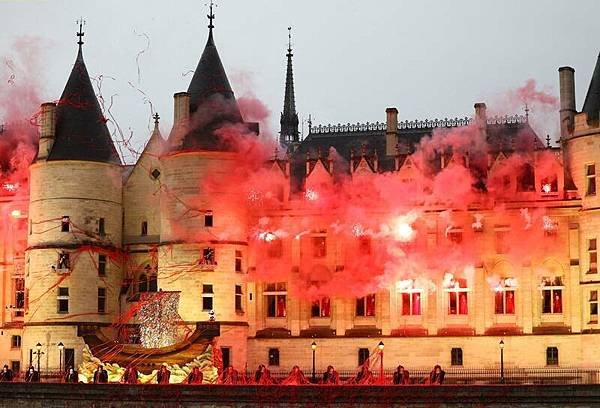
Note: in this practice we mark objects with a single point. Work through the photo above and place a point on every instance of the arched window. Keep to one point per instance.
(152, 284)
(143, 283)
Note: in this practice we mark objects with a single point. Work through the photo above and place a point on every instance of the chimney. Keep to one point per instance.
(566, 77)
(481, 115)
(181, 111)
(47, 128)
(391, 132)
(182, 107)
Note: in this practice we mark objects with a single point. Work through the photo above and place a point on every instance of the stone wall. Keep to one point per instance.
(117, 395)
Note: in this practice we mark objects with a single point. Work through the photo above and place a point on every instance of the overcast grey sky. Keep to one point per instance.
(352, 59)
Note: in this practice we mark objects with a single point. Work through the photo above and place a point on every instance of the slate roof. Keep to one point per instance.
(81, 132)
(591, 106)
(212, 101)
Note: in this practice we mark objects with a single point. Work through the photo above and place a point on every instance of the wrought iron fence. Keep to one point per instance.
(473, 376)
(454, 375)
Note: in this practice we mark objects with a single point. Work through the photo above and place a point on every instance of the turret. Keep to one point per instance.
(75, 223)
(203, 213)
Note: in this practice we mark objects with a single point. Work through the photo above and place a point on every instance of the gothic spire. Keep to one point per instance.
(289, 118)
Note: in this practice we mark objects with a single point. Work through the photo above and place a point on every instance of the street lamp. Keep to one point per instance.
(313, 346)
(501, 361)
(39, 353)
(61, 347)
(380, 346)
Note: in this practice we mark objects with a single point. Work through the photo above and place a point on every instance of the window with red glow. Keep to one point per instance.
(321, 308)
(365, 306)
(411, 303)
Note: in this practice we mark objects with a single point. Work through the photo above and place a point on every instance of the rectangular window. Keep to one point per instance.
(593, 255)
(504, 301)
(65, 223)
(458, 298)
(207, 297)
(593, 306)
(276, 298)
(275, 248)
(501, 242)
(365, 306)
(552, 356)
(238, 261)
(590, 172)
(101, 230)
(552, 300)
(321, 308)
(274, 357)
(239, 298)
(208, 256)
(208, 219)
(144, 231)
(101, 300)
(456, 357)
(319, 245)
(15, 342)
(363, 355)
(410, 303)
(63, 300)
(364, 245)
(101, 265)
(226, 356)
(455, 236)
(64, 260)
(19, 296)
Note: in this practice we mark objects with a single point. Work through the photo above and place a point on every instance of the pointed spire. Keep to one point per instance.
(210, 90)
(591, 106)
(81, 132)
(289, 118)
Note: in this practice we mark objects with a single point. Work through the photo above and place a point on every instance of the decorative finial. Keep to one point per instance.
(80, 33)
(211, 15)
(289, 39)
(526, 112)
(156, 118)
(547, 140)
(309, 122)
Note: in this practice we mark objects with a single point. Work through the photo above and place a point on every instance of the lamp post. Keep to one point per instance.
(39, 353)
(501, 361)
(380, 346)
(313, 346)
(61, 347)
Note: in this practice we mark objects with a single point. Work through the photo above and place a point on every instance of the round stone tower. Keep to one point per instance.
(73, 262)
(204, 237)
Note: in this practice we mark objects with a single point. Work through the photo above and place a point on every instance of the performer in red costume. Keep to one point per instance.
(296, 377)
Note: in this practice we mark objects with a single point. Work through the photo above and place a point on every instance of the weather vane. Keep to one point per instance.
(289, 38)
(80, 33)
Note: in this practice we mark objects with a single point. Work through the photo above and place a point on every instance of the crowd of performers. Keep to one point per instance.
(230, 376)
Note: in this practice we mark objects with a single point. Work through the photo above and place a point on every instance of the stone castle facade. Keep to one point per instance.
(100, 235)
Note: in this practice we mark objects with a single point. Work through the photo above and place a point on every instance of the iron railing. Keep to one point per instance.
(466, 376)
(454, 375)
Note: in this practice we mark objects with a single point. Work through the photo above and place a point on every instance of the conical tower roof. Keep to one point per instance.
(81, 132)
(591, 106)
(212, 101)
